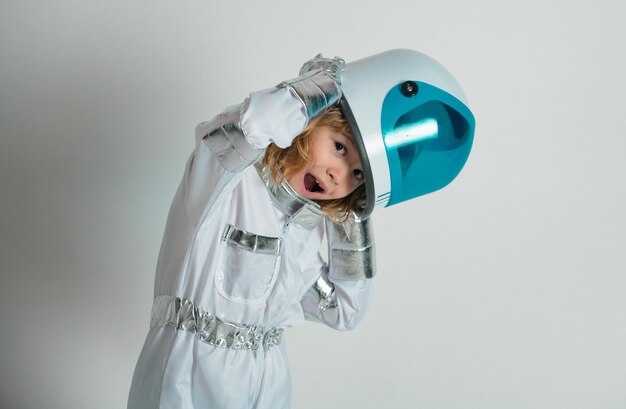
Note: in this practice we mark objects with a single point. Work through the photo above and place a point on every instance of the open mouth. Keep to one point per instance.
(311, 184)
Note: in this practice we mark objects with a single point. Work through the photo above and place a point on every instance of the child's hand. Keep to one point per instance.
(333, 66)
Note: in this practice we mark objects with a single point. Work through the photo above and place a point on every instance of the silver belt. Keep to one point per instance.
(183, 315)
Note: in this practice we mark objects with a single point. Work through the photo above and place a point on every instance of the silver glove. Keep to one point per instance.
(332, 66)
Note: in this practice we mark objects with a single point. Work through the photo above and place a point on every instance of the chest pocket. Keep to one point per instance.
(248, 265)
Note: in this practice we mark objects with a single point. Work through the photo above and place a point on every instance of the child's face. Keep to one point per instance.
(335, 169)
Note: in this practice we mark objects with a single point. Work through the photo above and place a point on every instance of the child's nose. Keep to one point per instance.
(338, 173)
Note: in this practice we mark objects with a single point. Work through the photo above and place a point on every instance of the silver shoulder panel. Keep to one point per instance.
(229, 144)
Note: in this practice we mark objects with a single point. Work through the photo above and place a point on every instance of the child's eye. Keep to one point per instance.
(340, 148)
(358, 174)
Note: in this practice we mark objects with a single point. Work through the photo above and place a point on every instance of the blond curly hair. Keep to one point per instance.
(284, 163)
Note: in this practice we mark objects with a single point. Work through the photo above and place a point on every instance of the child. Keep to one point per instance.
(239, 260)
(240, 257)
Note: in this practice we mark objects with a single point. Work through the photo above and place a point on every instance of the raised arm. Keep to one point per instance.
(341, 294)
(237, 137)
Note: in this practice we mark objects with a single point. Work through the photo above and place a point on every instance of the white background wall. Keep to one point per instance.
(505, 290)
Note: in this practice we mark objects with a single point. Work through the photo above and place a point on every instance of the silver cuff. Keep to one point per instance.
(326, 291)
(316, 89)
(229, 144)
(183, 315)
(351, 249)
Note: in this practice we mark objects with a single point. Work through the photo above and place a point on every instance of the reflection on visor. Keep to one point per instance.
(427, 138)
(407, 134)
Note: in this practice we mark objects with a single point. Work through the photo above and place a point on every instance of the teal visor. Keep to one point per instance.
(428, 136)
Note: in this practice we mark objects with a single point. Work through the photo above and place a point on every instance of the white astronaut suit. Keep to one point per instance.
(240, 262)
(240, 256)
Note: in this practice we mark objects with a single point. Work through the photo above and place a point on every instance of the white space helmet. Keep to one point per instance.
(411, 124)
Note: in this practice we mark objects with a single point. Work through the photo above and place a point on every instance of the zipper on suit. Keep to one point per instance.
(260, 376)
(288, 300)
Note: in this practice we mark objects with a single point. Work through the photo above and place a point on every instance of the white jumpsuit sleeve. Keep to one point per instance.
(340, 304)
(234, 140)
(237, 137)
(343, 290)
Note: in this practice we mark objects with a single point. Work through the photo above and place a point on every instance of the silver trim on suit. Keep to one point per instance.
(229, 144)
(351, 249)
(326, 292)
(318, 89)
(252, 242)
(184, 315)
(298, 210)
